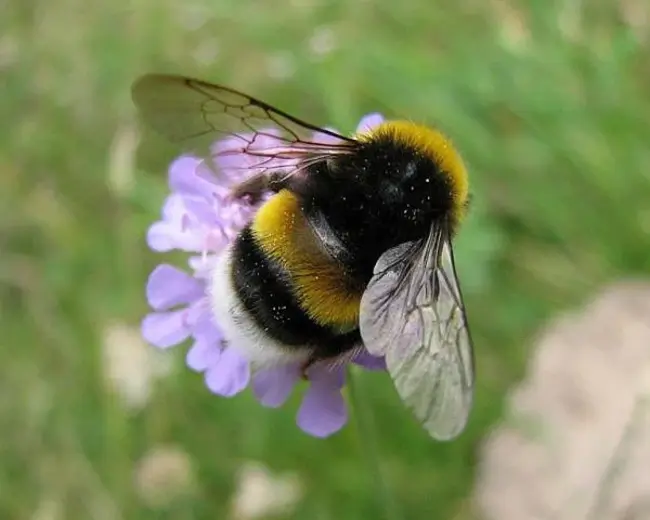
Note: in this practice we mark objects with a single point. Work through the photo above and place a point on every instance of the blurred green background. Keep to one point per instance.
(548, 101)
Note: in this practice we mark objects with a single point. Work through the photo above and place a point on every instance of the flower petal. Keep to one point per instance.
(230, 375)
(370, 362)
(183, 178)
(166, 329)
(200, 211)
(369, 122)
(203, 355)
(168, 286)
(179, 228)
(161, 237)
(202, 265)
(323, 411)
(204, 327)
(220, 185)
(273, 386)
(173, 208)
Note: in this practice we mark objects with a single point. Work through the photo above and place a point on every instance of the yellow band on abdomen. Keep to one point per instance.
(318, 282)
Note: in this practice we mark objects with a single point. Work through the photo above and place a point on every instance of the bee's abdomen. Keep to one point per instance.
(264, 290)
(291, 290)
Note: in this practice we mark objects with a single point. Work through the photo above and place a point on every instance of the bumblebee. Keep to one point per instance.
(352, 250)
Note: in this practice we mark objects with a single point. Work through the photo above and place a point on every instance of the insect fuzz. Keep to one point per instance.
(294, 277)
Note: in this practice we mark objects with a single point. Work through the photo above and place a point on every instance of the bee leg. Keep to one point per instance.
(257, 185)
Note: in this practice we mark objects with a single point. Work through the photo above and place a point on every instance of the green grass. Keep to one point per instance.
(548, 101)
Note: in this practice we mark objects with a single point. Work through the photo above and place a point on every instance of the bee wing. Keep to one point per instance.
(195, 114)
(412, 313)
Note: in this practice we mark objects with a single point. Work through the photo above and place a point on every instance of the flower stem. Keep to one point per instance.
(368, 440)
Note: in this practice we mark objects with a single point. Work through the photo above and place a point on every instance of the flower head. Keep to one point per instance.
(200, 218)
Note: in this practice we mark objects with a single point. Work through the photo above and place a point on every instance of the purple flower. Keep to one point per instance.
(199, 217)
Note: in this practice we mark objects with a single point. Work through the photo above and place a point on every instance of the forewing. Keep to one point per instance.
(412, 313)
(195, 114)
